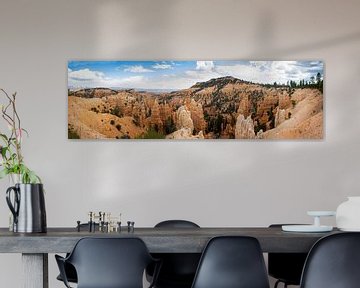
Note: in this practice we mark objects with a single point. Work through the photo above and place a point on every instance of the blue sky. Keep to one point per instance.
(174, 75)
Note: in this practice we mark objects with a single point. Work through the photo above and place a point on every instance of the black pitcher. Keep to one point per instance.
(28, 208)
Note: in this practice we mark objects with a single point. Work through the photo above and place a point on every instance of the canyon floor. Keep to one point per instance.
(221, 108)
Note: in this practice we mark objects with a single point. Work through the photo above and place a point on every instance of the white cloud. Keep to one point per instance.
(129, 82)
(254, 71)
(169, 82)
(137, 69)
(85, 75)
(205, 65)
(162, 66)
(266, 71)
(86, 78)
(288, 70)
(204, 71)
(202, 75)
(240, 71)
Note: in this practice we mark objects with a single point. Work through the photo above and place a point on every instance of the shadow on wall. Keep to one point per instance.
(321, 44)
(267, 33)
(129, 30)
(171, 172)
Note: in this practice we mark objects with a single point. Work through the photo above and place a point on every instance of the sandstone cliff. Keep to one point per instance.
(244, 128)
(224, 108)
(304, 121)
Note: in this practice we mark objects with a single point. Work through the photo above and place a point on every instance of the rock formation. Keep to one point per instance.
(93, 93)
(280, 117)
(185, 125)
(284, 101)
(183, 119)
(224, 107)
(244, 105)
(244, 128)
(155, 119)
(185, 133)
(260, 134)
(197, 115)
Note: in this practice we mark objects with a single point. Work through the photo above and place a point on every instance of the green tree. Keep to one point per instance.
(72, 134)
(151, 134)
(319, 82)
(312, 79)
(218, 124)
(117, 111)
(169, 126)
(318, 78)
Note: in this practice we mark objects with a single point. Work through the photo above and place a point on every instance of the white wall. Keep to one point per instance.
(215, 183)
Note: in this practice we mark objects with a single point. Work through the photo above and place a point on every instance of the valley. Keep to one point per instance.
(221, 108)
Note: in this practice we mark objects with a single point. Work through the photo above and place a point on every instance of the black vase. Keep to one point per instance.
(28, 208)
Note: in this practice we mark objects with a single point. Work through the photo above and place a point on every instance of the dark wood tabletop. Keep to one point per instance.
(158, 240)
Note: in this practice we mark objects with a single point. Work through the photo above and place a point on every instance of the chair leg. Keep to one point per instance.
(278, 282)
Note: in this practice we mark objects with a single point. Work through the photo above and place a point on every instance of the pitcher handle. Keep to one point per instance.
(13, 208)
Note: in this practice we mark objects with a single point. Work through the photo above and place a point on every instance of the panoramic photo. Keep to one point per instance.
(195, 99)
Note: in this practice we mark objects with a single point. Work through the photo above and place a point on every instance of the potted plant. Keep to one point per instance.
(11, 159)
(26, 197)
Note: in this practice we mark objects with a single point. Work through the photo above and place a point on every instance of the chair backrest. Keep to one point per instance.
(232, 262)
(178, 269)
(110, 262)
(176, 224)
(286, 267)
(333, 262)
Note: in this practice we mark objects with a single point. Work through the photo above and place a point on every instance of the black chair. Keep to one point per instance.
(108, 263)
(333, 262)
(178, 269)
(232, 262)
(286, 267)
(69, 269)
(176, 224)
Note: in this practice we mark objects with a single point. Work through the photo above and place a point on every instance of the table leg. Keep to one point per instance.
(35, 270)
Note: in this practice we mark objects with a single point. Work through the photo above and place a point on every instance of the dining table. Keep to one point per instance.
(35, 247)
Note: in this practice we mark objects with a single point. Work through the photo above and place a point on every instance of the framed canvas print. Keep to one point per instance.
(195, 99)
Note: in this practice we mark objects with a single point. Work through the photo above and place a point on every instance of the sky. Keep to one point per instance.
(175, 75)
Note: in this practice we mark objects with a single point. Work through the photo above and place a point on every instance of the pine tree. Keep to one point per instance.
(318, 78)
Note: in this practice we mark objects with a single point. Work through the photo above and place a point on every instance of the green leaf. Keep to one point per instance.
(3, 151)
(28, 176)
(4, 137)
(33, 178)
(27, 133)
(15, 169)
(13, 156)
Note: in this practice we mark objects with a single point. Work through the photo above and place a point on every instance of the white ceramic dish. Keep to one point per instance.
(321, 213)
(306, 228)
